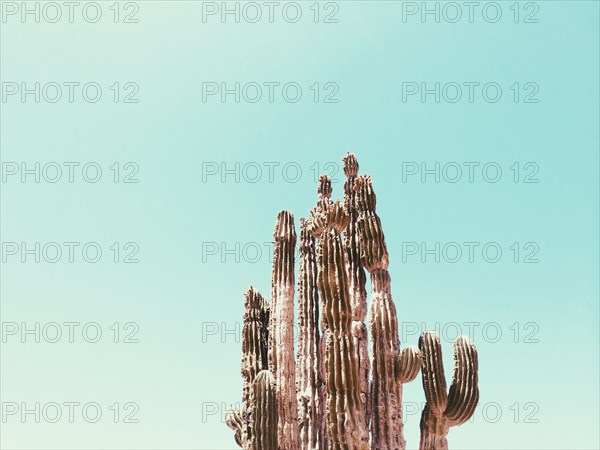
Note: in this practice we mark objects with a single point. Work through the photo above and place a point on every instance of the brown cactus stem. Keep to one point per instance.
(356, 280)
(255, 342)
(281, 335)
(264, 412)
(409, 364)
(315, 225)
(386, 382)
(442, 410)
(346, 424)
(434, 430)
(310, 406)
(386, 386)
(234, 420)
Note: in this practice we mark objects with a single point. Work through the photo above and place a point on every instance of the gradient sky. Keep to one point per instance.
(200, 239)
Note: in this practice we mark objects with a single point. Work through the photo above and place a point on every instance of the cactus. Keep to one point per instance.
(339, 393)
(443, 410)
(254, 359)
(386, 363)
(255, 341)
(234, 420)
(281, 335)
(310, 395)
(346, 425)
(264, 413)
(356, 280)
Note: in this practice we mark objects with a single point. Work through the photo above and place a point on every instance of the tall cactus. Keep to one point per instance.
(443, 410)
(255, 340)
(356, 279)
(254, 359)
(281, 336)
(310, 405)
(325, 400)
(386, 362)
(345, 410)
(264, 412)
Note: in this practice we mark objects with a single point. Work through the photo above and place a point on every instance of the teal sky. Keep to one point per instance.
(538, 379)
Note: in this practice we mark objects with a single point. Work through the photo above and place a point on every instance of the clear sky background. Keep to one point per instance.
(199, 236)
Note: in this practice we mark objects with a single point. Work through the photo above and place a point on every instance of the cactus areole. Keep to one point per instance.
(342, 389)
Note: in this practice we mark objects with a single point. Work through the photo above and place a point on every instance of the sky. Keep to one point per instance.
(147, 147)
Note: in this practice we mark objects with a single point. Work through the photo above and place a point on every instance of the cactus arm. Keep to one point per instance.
(234, 420)
(281, 336)
(264, 412)
(409, 364)
(434, 381)
(444, 411)
(434, 427)
(464, 392)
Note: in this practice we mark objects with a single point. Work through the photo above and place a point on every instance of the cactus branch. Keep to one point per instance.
(409, 364)
(234, 420)
(442, 410)
(264, 412)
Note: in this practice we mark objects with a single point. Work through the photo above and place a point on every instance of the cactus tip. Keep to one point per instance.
(284, 227)
(350, 165)
(324, 189)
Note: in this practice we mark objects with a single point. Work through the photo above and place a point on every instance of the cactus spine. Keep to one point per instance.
(443, 410)
(325, 400)
(281, 337)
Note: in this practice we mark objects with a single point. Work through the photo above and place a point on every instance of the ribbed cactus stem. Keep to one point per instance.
(254, 359)
(255, 340)
(434, 430)
(345, 409)
(409, 364)
(356, 280)
(356, 272)
(310, 405)
(234, 420)
(281, 335)
(442, 410)
(386, 381)
(264, 412)
(386, 385)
